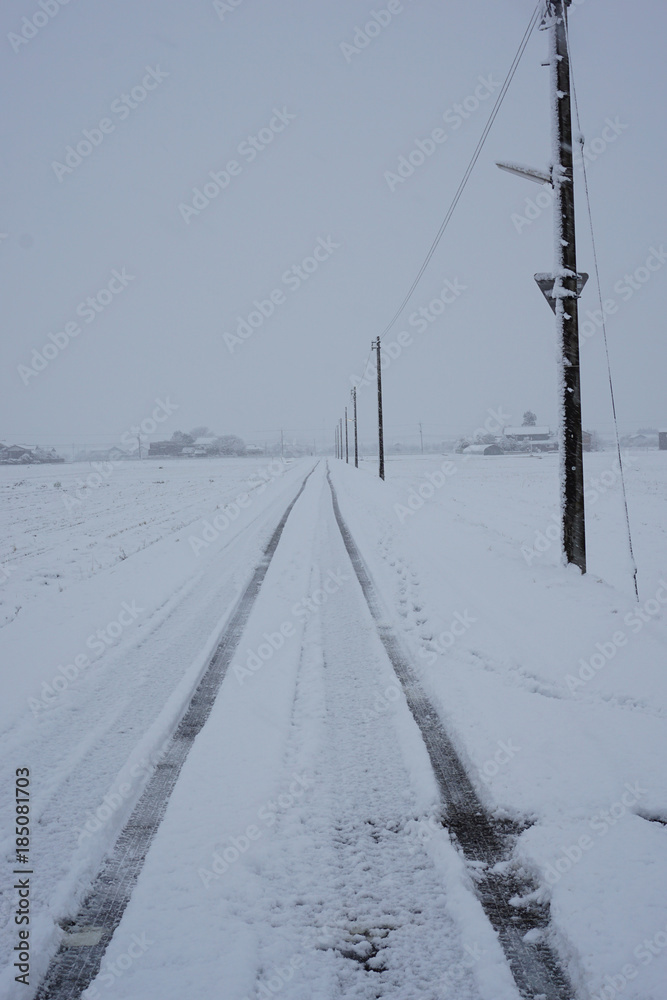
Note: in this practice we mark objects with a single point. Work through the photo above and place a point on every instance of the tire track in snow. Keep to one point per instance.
(346, 885)
(483, 841)
(78, 960)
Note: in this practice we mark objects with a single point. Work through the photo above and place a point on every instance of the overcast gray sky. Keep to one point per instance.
(330, 123)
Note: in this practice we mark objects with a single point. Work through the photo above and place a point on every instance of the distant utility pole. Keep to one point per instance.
(340, 438)
(376, 345)
(421, 437)
(563, 287)
(282, 444)
(139, 441)
(356, 440)
(347, 452)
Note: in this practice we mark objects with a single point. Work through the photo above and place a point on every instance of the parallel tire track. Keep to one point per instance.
(78, 960)
(535, 968)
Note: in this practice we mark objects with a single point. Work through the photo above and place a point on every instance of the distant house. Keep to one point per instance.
(527, 433)
(18, 454)
(528, 438)
(642, 440)
(662, 440)
(15, 453)
(163, 449)
(206, 446)
(254, 449)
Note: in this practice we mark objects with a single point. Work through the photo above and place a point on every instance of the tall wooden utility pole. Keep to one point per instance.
(347, 451)
(376, 345)
(562, 288)
(565, 291)
(421, 437)
(356, 439)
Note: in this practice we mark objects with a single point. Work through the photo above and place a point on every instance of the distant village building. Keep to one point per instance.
(165, 449)
(18, 454)
(662, 440)
(527, 433)
(531, 438)
(642, 440)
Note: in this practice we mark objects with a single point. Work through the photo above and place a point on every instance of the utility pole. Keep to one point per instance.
(347, 453)
(340, 439)
(562, 288)
(565, 292)
(282, 444)
(421, 437)
(139, 440)
(376, 345)
(356, 440)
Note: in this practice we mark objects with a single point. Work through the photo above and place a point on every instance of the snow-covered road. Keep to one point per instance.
(303, 850)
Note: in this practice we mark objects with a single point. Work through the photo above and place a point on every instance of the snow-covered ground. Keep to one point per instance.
(302, 830)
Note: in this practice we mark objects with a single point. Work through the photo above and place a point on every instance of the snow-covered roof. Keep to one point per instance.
(520, 431)
(205, 441)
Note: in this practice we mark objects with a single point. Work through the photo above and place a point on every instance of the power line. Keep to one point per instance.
(604, 325)
(471, 165)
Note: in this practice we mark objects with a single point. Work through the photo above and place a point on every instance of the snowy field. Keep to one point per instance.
(301, 852)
